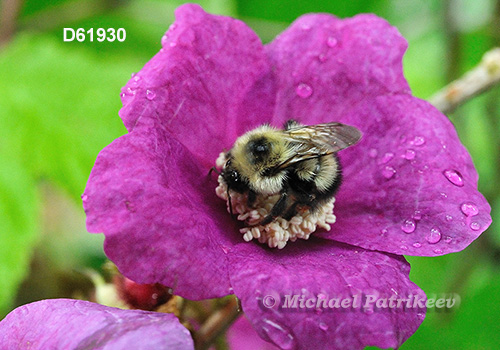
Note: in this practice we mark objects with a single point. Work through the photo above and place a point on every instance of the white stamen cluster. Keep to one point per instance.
(277, 233)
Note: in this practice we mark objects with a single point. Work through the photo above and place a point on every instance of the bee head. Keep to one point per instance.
(233, 178)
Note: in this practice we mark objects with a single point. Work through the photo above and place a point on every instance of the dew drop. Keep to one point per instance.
(469, 209)
(408, 226)
(417, 245)
(372, 152)
(403, 247)
(421, 315)
(122, 95)
(331, 42)
(444, 195)
(322, 57)
(409, 154)
(24, 310)
(454, 177)
(150, 95)
(388, 172)
(303, 90)
(323, 326)
(383, 232)
(306, 27)
(164, 40)
(475, 226)
(449, 217)
(84, 197)
(447, 239)
(279, 335)
(433, 236)
(387, 157)
(417, 215)
(418, 141)
(438, 251)
(134, 84)
(172, 44)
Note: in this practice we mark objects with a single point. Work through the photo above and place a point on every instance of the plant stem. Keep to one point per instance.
(481, 78)
(217, 324)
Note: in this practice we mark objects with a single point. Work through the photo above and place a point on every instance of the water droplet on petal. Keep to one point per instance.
(475, 226)
(469, 209)
(331, 41)
(409, 154)
(304, 90)
(383, 232)
(417, 245)
(164, 40)
(417, 215)
(322, 57)
(84, 197)
(447, 239)
(444, 195)
(372, 152)
(172, 44)
(433, 236)
(279, 335)
(388, 172)
(408, 226)
(449, 217)
(421, 315)
(306, 27)
(438, 251)
(150, 95)
(387, 157)
(418, 141)
(454, 177)
(323, 326)
(403, 247)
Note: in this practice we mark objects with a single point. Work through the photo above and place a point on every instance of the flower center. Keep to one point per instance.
(279, 231)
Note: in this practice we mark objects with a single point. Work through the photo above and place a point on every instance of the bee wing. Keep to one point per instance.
(319, 140)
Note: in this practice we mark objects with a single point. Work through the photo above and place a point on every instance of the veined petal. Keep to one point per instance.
(195, 85)
(410, 186)
(150, 199)
(267, 281)
(76, 324)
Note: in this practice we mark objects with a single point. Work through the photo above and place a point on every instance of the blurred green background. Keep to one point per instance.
(59, 105)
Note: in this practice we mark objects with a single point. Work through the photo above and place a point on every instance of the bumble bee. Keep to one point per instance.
(299, 163)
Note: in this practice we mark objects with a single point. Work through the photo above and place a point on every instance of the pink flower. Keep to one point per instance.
(405, 188)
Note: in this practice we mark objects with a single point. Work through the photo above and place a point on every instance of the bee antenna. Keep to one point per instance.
(213, 169)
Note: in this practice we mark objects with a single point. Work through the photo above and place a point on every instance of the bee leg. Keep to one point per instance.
(252, 197)
(278, 208)
(291, 212)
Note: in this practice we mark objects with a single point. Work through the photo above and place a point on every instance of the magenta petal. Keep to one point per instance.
(151, 201)
(324, 65)
(407, 182)
(241, 336)
(323, 269)
(195, 85)
(76, 324)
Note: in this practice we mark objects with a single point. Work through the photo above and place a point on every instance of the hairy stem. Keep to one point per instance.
(481, 78)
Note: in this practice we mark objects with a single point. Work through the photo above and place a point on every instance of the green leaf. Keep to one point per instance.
(18, 224)
(59, 107)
